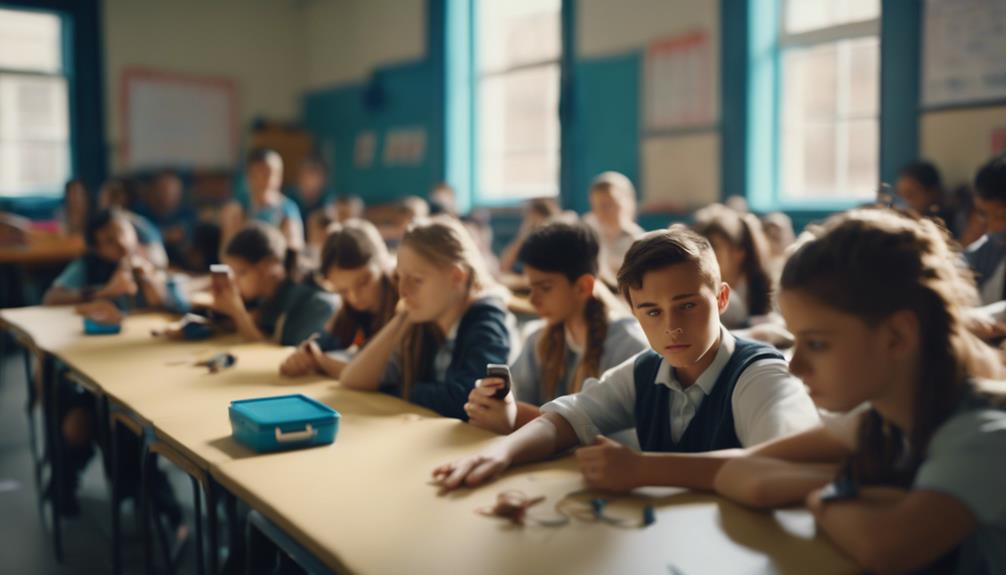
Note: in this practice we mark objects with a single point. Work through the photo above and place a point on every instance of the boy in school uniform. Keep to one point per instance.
(697, 388)
(987, 256)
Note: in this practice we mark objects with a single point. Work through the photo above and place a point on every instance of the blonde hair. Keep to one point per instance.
(443, 241)
(621, 189)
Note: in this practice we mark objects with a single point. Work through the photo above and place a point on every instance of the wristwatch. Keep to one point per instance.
(841, 489)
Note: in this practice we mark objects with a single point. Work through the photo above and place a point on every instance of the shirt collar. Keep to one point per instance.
(706, 381)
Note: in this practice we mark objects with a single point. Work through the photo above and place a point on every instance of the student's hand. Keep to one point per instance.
(101, 311)
(121, 283)
(299, 363)
(983, 324)
(487, 412)
(609, 465)
(324, 363)
(472, 470)
(227, 299)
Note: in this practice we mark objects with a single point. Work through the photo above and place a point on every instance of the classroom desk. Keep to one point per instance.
(364, 504)
(43, 248)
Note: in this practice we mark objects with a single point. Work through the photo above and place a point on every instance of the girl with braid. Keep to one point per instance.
(587, 329)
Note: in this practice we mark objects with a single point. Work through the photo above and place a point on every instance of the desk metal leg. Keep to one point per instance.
(261, 528)
(212, 520)
(50, 379)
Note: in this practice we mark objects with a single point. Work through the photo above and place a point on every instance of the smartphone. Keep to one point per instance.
(502, 372)
(219, 275)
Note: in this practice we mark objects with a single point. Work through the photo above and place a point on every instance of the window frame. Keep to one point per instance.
(767, 45)
(479, 196)
(66, 72)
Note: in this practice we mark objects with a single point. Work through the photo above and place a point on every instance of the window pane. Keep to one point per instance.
(806, 15)
(862, 174)
(33, 168)
(30, 41)
(809, 168)
(519, 133)
(810, 90)
(33, 108)
(514, 32)
(862, 76)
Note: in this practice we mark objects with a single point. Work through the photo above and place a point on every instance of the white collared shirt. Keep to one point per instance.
(768, 401)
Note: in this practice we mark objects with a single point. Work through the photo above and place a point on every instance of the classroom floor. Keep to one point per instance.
(87, 538)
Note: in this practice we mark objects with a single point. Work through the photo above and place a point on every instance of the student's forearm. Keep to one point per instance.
(154, 293)
(540, 439)
(768, 483)
(526, 413)
(864, 529)
(365, 370)
(62, 296)
(331, 366)
(816, 445)
(246, 327)
(693, 471)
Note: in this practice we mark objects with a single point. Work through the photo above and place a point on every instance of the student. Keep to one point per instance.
(696, 389)
(262, 296)
(779, 236)
(348, 208)
(876, 304)
(537, 213)
(264, 202)
(613, 215)
(174, 220)
(408, 210)
(312, 192)
(742, 254)
(114, 268)
(453, 323)
(116, 194)
(587, 331)
(920, 186)
(72, 215)
(443, 200)
(356, 265)
(987, 256)
(111, 277)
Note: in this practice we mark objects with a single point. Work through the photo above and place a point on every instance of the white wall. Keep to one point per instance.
(259, 44)
(347, 39)
(609, 27)
(960, 141)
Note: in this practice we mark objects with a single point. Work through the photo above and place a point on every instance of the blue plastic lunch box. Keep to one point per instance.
(92, 327)
(283, 422)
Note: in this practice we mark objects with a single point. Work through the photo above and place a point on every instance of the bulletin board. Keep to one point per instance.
(681, 172)
(171, 119)
(963, 52)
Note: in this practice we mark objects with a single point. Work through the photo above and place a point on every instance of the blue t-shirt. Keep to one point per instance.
(273, 215)
(77, 276)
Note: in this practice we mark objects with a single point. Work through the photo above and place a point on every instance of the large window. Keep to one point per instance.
(518, 44)
(827, 121)
(34, 108)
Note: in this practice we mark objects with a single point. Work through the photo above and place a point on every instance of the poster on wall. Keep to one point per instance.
(178, 120)
(964, 52)
(678, 87)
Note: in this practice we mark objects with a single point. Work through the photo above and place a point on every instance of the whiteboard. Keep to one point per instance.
(173, 120)
(964, 52)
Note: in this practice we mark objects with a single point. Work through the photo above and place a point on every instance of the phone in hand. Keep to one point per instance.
(502, 372)
(220, 274)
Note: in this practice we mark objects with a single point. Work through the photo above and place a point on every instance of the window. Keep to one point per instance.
(829, 92)
(34, 106)
(518, 45)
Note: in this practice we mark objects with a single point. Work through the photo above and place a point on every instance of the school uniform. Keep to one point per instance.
(295, 312)
(745, 397)
(483, 335)
(273, 215)
(964, 460)
(987, 259)
(624, 339)
(613, 249)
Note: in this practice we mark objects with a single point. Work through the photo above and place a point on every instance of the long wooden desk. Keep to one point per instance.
(364, 503)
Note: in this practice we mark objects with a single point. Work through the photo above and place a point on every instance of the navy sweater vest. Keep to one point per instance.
(712, 427)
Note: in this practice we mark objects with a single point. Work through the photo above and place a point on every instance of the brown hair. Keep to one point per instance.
(745, 232)
(353, 244)
(872, 263)
(571, 250)
(258, 241)
(442, 240)
(663, 248)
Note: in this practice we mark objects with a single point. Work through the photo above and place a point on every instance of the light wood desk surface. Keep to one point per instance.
(364, 505)
(43, 248)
